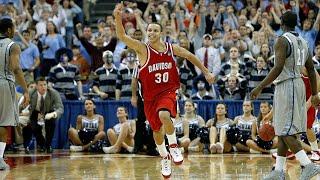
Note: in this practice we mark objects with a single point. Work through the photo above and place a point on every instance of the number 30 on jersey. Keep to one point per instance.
(162, 77)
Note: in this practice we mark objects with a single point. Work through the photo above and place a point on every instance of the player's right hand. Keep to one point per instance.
(210, 78)
(255, 92)
(118, 10)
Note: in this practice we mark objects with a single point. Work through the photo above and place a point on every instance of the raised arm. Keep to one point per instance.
(121, 34)
(181, 52)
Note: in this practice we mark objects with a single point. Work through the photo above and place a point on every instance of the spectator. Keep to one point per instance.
(63, 76)
(51, 42)
(38, 8)
(70, 9)
(234, 61)
(209, 56)
(29, 57)
(316, 58)
(123, 86)
(89, 129)
(231, 88)
(202, 90)
(121, 136)
(83, 66)
(106, 77)
(45, 108)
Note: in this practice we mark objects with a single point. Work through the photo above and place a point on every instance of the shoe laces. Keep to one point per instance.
(166, 161)
(176, 151)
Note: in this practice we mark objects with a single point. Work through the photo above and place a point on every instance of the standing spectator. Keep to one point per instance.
(316, 58)
(71, 9)
(78, 60)
(106, 77)
(231, 88)
(202, 90)
(65, 76)
(51, 42)
(38, 8)
(89, 128)
(209, 56)
(29, 57)
(45, 108)
(123, 87)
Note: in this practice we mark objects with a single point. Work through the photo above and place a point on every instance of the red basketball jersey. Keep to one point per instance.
(159, 74)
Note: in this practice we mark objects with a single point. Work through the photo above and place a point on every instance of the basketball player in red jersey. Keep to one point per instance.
(311, 115)
(160, 80)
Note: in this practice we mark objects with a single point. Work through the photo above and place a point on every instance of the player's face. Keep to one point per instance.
(220, 109)
(88, 105)
(42, 87)
(264, 108)
(188, 107)
(246, 107)
(153, 32)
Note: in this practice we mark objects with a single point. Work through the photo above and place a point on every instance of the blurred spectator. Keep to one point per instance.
(316, 58)
(230, 88)
(209, 56)
(41, 25)
(38, 8)
(78, 60)
(106, 77)
(65, 77)
(123, 86)
(29, 57)
(51, 42)
(59, 17)
(234, 61)
(202, 89)
(70, 9)
(185, 79)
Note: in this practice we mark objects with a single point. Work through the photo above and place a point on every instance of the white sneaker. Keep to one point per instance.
(252, 151)
(315, 156)
(219, 147)
(108, 150)
(166, 166)
(76, 148)
(176, 154)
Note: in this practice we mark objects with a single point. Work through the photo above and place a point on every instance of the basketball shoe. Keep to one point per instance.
(3, 165)
(166, 166)
(175, 153)
(289, 155)
(275, 175)
(315, 155)
(308, 171)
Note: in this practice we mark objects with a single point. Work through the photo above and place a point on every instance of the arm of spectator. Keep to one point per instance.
(217, 65)
(276, 18)
(101, 124)
(119, 85)
(173, 25)
(121, 34)
(217, 21)
(191, 26)
(202, 26)
(75, 8)
(140, 23)
(79, 85)
(164, 15)
(202, 123)
(179, 18)
(235, 21)
(57, 104)
(111, 46)
(254, 130)
(147, 11)
(79, 122)
(255, 18)
(186, 130)
(316, 24)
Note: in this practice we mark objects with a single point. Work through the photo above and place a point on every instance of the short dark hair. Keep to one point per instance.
(5, 24)
(41, 78)
(156, 24)
(289, 19)
(25, 32)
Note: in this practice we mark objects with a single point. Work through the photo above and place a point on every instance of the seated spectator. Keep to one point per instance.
(121, 136)
(245, 123)
(45, 108)
(106, 77)
(219, 125)
(257, 144)
(185, 79)
(201, 88)
(233, 61)
(63, 76)
(257, 75)
(38, 8)
(89, 129)
(232, 88)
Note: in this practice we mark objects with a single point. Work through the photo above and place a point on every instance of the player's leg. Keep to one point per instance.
(309, 169)
(279, 169)
(164, 116)
(3, 140)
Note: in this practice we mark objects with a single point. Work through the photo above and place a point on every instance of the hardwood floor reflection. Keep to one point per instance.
(63, 165)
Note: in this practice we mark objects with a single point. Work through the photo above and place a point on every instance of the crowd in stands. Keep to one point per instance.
(233, 38)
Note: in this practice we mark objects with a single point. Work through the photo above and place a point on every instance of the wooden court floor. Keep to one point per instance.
(66, 165)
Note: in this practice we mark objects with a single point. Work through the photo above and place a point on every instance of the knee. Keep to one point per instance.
(125, 126)
(102, 134)
(110, 132)
(164, 115)
(250, 142)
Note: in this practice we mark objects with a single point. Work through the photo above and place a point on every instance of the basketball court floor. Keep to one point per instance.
(66, 165)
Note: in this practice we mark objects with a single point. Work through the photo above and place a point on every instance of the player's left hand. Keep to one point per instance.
(210, 78)
(255, 92)
(315, 100)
